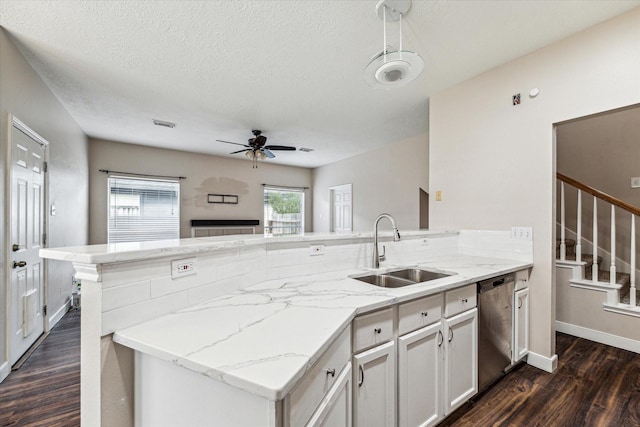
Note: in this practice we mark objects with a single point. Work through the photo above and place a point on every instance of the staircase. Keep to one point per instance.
(604, 276)
(618, 277)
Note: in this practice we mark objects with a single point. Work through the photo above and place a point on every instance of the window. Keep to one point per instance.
(283, 211)
(143, 209)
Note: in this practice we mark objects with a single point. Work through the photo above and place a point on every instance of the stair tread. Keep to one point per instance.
(626, 300)
(588, 258)
(621, 278)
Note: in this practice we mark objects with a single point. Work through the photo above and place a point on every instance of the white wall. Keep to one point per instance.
(205, 174)
(385, 180)
(495, 163)
(23, 94)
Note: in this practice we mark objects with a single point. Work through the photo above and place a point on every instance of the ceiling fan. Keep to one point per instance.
(256, 149)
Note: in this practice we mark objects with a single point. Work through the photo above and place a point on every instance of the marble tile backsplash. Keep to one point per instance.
(138, 291)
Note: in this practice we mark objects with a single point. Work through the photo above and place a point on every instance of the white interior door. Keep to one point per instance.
(26, 268)
(341, 200)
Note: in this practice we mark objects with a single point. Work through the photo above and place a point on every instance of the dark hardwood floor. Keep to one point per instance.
(594, 385)
(45, 391)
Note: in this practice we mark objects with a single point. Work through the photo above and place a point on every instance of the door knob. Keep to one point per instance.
(15, 247)
(19, 264)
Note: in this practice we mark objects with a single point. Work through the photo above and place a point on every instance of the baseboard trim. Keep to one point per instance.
(5, 369)
(597, 336)
(549, 364)
(55, 317)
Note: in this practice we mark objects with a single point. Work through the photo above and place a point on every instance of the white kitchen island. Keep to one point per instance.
(230, 344)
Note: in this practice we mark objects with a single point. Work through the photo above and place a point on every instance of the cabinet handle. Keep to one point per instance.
(425, 313)
(331, 372)
(450, 334)
(361, 380)
(377, 330)
(465, 300)
(15, 248)
(440, 338)
(19, 264)
(519, 303)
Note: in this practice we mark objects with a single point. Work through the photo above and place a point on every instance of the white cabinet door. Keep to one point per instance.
(374, 387)
(521, 324)
(335, 409)
(420, 377)
(461, 358)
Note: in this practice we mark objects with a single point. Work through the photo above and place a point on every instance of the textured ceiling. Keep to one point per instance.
(291, 68)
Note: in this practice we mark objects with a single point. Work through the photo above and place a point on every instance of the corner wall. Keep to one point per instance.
(385, 180)
(205, 174)
(495, 163)
(23, 94)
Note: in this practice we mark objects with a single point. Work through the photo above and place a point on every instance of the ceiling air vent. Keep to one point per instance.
(164, 123)
(306, 150)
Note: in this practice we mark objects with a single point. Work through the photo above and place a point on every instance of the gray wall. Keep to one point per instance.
(385, 180)
(23, 94)
(495, 163)
(205, 174)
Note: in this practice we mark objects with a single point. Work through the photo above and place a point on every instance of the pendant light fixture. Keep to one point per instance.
(392, 68)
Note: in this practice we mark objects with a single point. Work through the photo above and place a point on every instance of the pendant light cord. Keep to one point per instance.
(384, 31)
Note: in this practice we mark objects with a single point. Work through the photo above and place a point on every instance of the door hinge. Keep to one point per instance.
(44, 238)
(44, 310)
(45, 166)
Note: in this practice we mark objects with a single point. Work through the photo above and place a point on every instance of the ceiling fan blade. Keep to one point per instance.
(280, 147)
(268, 153)
(241, 151)
(235, 143)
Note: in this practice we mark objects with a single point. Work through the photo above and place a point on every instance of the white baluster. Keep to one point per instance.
(632, 289)
(594, 271)
(612, 268)
(563, 245)
(579, 229)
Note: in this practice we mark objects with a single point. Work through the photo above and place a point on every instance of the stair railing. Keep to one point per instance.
(614, 202)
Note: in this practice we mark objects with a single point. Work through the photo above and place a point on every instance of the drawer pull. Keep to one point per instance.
(331, 372)
(377, 330)
(361, 380)
(425, 313)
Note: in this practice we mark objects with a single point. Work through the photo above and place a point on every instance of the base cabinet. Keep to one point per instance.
(420, 388)
(335, 409)
(460, 358)
(521, 324)
(374, 387)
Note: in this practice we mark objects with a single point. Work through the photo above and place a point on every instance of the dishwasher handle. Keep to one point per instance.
(488, 284)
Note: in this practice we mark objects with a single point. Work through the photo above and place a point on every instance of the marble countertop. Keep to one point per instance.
(264, 338)
(136, 251)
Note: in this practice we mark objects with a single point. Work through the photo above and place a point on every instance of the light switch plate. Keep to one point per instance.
(635, 182)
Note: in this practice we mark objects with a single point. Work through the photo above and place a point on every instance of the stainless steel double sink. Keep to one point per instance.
(400, 278)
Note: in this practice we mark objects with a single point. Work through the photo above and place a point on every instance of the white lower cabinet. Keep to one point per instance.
(460, 358)
(420, 389)
(335, 408)
(521, 324)
(374, 386)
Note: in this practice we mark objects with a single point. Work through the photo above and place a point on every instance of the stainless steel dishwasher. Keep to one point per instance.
(495, 313)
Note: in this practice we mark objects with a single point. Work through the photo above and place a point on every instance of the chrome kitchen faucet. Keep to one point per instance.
(396, 236)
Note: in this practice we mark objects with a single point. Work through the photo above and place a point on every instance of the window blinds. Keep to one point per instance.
(143, 209)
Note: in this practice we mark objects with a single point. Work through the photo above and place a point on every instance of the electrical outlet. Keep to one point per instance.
(438, 196)
(183, 267)
(316, 250)
(635, 182)
(425, 242)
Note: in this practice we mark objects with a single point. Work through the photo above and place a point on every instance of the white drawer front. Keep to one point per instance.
(414, 315)
(372, 329)
(459, 300)
(304, 399)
